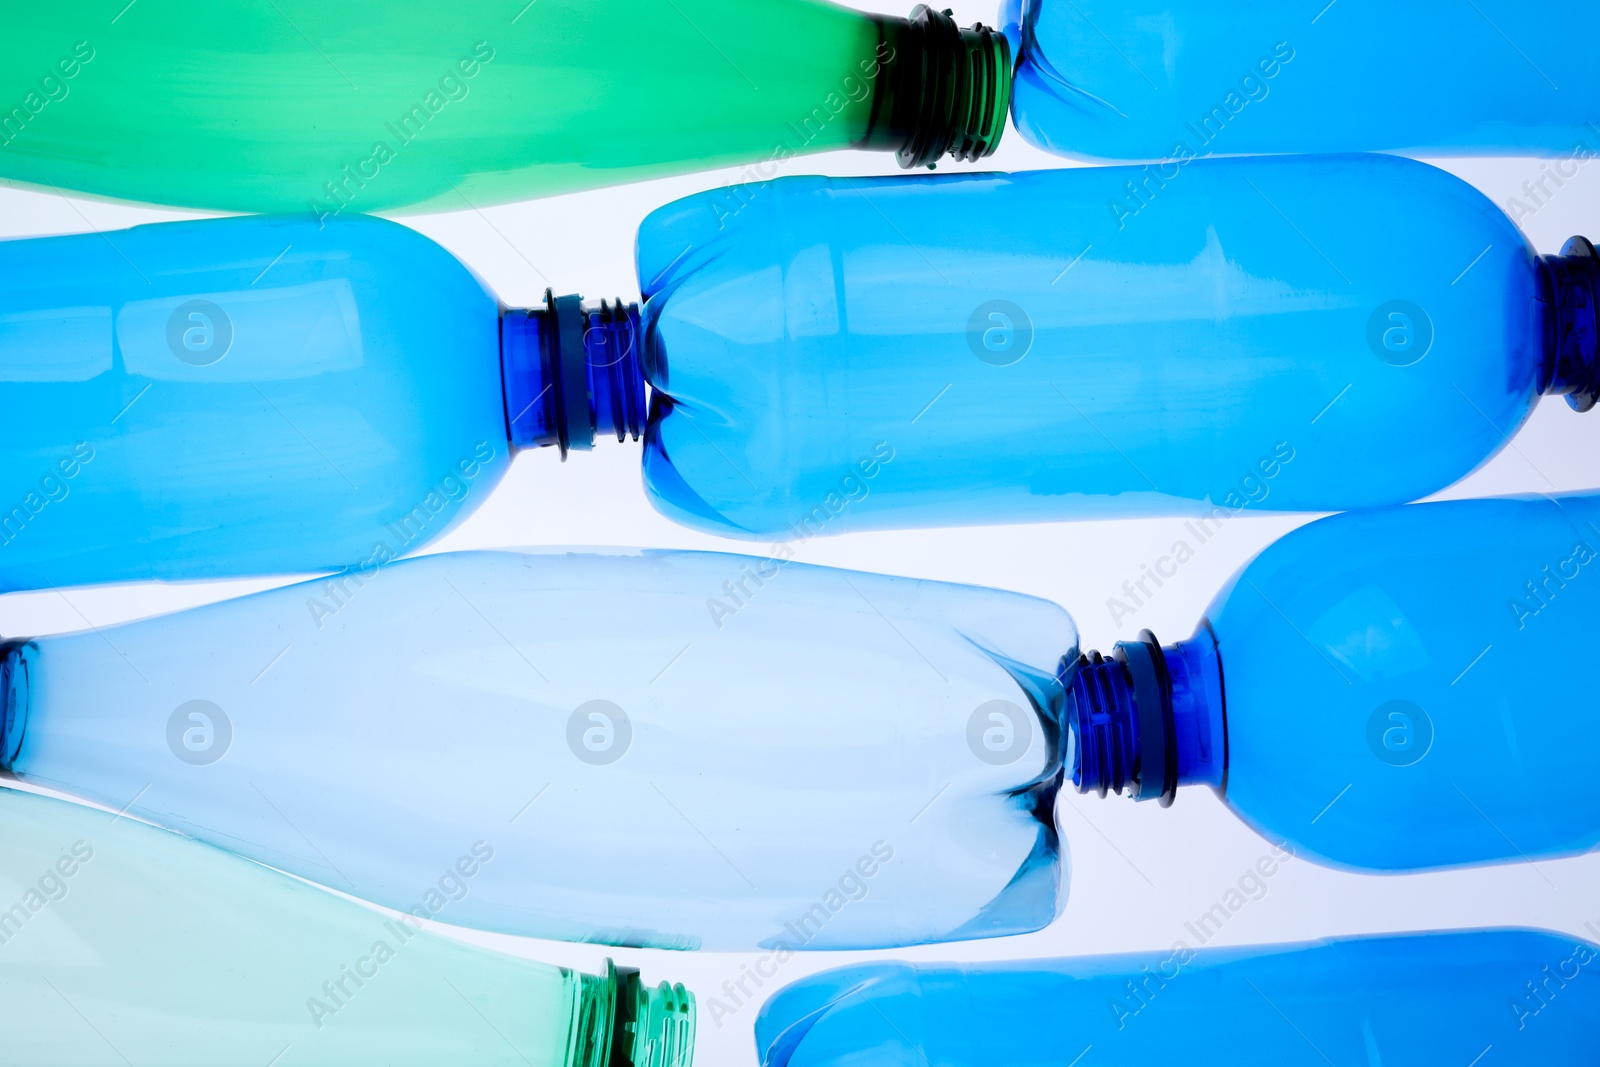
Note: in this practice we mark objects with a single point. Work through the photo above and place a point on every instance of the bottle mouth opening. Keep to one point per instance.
(946, 91)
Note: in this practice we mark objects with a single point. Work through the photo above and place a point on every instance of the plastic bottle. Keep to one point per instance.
(1095, 342)
(667, 749)
(261, 395)
(1413, 1000)
(300, 106)
(1371, 684)
(1169, 79)
(122, 943)
(265, 395)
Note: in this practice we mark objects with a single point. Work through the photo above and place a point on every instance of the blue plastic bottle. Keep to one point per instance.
(1370, 686)
(1169, 79)
(1415, 1000)
(669, 749)
(258, 395)
(264, 394)
(1094, 342)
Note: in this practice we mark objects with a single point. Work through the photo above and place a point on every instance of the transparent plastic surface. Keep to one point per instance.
(846, 354)
(1414, 1000)
(1166, 79)
(1403, 688)
(239, 396)
(670, 749)
(297, 105)
(124, 943)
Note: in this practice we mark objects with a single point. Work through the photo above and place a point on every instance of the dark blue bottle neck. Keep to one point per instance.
(1570, 291)
(1147, 719)
(571, 372)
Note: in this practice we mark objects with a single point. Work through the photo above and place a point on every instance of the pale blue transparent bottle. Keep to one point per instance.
(1413, 1000)
(1165, 79)
(849, 354)
(1367, 687)
(668, 749)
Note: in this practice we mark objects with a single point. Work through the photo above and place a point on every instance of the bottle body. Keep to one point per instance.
(850, 354)
(1162, 80)
(1397, 682)
(283, 964)
(319, 109)
(670, 749)
(239, 396)
(1414, 999)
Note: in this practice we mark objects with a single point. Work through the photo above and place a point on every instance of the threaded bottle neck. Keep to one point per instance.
(1570, 290)
(940, 90)
(1147, 719)
(16, 668)
(571, 372)
(623, 1023)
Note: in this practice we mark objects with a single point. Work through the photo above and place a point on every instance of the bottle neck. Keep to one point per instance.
(938, 90)
(1570, 291)
(624, 1023)
(1147, 719)
(17, 663)
(571, 372)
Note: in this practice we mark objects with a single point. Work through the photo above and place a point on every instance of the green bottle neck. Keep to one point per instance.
(940, 90)
(624, 1023)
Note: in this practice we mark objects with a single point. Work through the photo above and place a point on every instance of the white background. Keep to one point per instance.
(1138, 872)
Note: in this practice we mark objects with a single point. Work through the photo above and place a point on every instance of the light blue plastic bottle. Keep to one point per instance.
(267, 394)
(1168, 79)
(1414, 1000)
(668, 749)
(1289, 333)
(1373, 686)
(123, 944)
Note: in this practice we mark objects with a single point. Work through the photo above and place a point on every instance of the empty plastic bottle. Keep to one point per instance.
(304, 106)
(1173, 79)
(1368, 685)
(263, 395)
(1414, 1000)
(1095, 342)
(670, 749)
(120, 942)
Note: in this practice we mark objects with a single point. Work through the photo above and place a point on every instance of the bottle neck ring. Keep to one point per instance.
(624, 1023)
(939, 90)
(1147, 719)
(571, 372)
(1570, 291)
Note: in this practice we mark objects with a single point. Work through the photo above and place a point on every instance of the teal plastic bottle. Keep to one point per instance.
(1174, 79)
(665, 749)
(1368, 686)
(1412, 1000)
(122, 943)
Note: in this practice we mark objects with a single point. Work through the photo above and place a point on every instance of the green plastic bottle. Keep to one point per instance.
(122, 943)
(303, 104)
